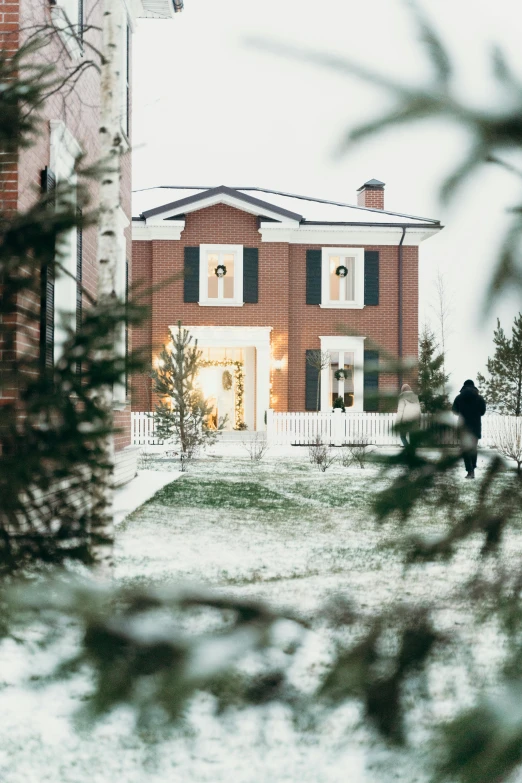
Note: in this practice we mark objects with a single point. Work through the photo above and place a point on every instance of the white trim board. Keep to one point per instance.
(145, 233)
(344, 235)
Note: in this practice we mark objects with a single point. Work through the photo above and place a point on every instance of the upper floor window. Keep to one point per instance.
(68, 19)
(221, 275)
(342, 277)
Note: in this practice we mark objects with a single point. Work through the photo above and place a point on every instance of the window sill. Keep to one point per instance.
(342, 306)
(221, 304)
(118, 405)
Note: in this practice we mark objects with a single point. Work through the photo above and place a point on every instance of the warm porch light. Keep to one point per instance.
(277, 364)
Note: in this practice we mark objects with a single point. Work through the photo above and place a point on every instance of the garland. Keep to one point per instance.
(341, 271)
(239, 377)
(226, 380)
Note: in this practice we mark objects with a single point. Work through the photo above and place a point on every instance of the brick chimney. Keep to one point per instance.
(371, 194)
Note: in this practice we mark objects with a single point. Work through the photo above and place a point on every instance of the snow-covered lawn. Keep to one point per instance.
(280, 530)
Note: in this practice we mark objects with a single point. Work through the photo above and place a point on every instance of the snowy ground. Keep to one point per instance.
(279, 530)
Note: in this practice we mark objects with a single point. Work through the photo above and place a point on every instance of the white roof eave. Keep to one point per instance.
(345, 234)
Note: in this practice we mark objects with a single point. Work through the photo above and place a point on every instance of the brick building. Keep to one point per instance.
(69, 128)
(262, 278)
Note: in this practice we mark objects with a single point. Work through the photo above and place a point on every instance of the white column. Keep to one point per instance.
(326, 403)
(250, 387)
(262, 384)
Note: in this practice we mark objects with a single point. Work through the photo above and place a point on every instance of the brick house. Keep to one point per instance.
(261, 278)
(70, 128)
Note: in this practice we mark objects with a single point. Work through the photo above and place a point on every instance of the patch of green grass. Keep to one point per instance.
(221, 493)
(335, 493)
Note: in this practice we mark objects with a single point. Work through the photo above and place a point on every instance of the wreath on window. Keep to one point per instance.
(226, 380)
(341, 375)
(220, 270)
(341, 271)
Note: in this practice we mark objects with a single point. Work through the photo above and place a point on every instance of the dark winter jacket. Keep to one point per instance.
(470, 407)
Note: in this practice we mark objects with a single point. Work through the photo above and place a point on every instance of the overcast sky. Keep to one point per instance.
(210, 109)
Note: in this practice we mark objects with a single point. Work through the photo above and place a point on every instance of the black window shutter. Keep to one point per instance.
(251, 275)
(47, 318)
(371, 277)
(191, 275)
(48, 183)
(311, 384)
(371, 380)
(313, 277)
(79, 278)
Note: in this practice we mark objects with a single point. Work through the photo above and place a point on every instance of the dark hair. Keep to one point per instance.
(468, 383)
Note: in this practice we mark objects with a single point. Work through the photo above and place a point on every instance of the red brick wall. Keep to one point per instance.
(9, 43)
(282, 296)
(77, 105)
(379, 323)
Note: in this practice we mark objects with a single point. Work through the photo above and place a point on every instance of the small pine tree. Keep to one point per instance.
(182, 414)
(503, 389)
(432, 379)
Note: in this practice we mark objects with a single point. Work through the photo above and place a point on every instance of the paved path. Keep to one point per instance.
(134, 494)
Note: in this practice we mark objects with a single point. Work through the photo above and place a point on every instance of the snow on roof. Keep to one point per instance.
(312, 210)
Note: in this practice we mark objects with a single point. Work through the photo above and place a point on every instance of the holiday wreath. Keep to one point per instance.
(341, 375)
(341, 271)
(220, 270)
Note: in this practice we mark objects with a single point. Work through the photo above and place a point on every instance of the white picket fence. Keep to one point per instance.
(142, 430)
(335, 428)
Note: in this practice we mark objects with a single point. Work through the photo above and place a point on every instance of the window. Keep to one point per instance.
(68, 19)
(344, 375)
(221, 275)
(342, 277)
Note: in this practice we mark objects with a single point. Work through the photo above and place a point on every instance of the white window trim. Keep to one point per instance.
(204, 300)
(358, 302)
(353, 345)
(119, 392)
(67, 28)
(64, 150)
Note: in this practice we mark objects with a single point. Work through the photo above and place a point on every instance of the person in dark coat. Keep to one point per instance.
(469, 407)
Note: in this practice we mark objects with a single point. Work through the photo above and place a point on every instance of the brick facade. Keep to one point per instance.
(77, 105)
(296, 326)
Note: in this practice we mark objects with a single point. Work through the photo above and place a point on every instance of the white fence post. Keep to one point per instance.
(337, 422)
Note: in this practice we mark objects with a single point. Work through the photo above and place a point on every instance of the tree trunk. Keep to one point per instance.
(108, 245)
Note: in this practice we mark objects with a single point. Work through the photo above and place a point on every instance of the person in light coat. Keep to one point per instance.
(408, 412)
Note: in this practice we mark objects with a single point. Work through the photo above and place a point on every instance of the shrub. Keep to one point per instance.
(321, 454)
(355, 454)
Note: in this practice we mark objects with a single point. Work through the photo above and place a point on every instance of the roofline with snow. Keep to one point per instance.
(237, 193)
(225, 191)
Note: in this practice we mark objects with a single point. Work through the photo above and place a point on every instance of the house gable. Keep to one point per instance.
(220, 195)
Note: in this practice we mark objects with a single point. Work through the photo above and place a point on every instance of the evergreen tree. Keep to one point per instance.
(182, 414)
(432, 379)
(503, 389)
(55, 468)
